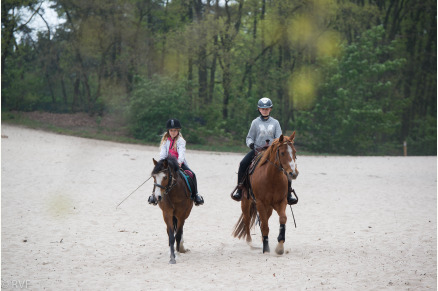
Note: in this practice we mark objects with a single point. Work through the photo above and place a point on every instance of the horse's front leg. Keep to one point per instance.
(282, 235)
(170, 233)
(264, 213)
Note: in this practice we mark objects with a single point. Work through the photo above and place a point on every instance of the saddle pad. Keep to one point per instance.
(254, 162)
(188, 178)
(189, 173)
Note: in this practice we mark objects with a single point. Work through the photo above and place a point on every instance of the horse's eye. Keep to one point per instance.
(165, 178)
(282, 154)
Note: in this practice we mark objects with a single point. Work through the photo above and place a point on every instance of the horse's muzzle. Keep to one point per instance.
(293, 175)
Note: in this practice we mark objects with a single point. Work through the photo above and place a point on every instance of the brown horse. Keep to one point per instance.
(173, 197)
(269, 185)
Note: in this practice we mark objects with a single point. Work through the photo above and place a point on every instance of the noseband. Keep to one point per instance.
(169, 185)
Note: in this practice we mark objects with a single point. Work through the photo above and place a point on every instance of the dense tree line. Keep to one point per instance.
(351, 76)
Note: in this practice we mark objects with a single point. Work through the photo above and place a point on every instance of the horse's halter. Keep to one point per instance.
(169, 185)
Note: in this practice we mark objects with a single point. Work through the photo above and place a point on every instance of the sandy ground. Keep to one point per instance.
(363, 223)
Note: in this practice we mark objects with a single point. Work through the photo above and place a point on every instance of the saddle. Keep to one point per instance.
(255, 161)
(188, 178)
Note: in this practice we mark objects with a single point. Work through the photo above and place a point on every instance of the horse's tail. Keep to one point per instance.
(239, 228)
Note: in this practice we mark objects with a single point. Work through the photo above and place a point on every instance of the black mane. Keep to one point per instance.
(171, 161)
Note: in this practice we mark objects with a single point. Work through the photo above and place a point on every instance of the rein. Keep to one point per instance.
(132, 192)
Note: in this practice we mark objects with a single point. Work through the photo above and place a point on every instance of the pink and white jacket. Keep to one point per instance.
(180, 147)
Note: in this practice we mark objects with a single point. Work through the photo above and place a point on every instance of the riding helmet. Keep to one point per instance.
(173, 123)
(264, 103)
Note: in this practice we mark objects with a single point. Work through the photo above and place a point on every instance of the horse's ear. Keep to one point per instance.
(292, 136)
(280, 139)
(155, 162)
(165, 163)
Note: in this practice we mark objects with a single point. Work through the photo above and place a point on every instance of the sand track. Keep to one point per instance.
(364, 223)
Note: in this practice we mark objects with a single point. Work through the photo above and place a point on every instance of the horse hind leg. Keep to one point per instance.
(179, 238)
(246, 211)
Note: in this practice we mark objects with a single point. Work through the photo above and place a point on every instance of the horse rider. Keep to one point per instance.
(264, 129)
(173, 143)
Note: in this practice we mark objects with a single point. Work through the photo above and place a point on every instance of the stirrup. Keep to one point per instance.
(290, 199)
(198, 199)
(237, 196)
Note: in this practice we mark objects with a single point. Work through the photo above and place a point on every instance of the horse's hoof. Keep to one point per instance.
(280, 248)
(172, 261)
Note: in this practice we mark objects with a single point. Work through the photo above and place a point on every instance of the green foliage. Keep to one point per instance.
(23, 85)
(207, 65)
(153, 102)
(423, 140)
(352, 115)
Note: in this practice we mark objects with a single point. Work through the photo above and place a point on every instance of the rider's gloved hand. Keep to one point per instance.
(251, 146)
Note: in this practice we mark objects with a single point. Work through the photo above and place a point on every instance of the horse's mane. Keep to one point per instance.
(270, 152)
(171, 161)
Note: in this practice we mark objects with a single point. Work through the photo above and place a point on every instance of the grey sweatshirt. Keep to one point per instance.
(261, 130)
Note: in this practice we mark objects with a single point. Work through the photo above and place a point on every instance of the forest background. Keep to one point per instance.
(351, 77)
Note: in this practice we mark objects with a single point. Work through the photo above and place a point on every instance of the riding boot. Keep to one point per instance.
(152, 200)
(238, 195)
(290, 199)
(198, 199)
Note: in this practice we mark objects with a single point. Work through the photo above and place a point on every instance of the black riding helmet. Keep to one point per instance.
(173, 123)
(264, 103)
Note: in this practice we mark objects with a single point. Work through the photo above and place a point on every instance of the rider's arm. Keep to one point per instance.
(164, 150)
(252, 134)
(181, 148)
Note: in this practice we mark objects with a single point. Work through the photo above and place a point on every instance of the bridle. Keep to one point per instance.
(277, 157)
(169, 185)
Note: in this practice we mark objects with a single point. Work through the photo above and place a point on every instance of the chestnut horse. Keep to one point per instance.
(269, 187)
(173, 197)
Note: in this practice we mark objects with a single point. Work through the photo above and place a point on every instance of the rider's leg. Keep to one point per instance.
(198, 199)
(243, 166)
(290, 199)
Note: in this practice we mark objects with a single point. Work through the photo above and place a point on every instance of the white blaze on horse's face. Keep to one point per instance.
(293, 164)
(159, 179)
